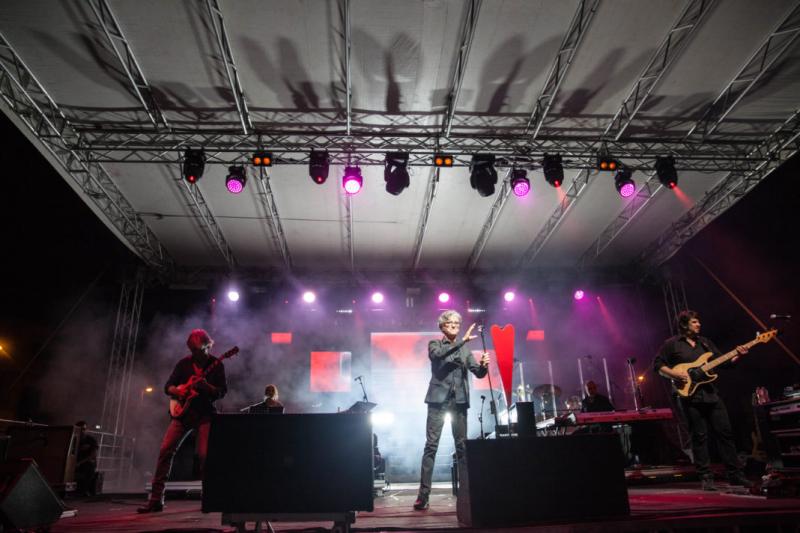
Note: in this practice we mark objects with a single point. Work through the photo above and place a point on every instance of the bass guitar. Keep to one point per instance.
(700, 371)
(178, 406)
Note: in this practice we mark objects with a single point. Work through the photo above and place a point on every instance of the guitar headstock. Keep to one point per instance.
(230, 353)
(767, 335)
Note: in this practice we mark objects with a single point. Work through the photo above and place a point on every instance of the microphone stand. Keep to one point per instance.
(363, 389)
(637, 392)
(492, 404)
(480, 416)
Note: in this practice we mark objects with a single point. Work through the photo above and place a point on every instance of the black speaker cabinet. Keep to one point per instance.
(54, 448)
(26, 500)
(304, 463)
(522, 480)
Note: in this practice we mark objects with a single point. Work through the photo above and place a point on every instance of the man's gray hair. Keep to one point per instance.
(449, 316)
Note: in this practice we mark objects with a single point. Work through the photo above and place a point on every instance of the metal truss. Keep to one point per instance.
(207, 221)
(566, 53)
(348, 228)
(774, 46)
(670, 48)
(674, 301)
(123, 351)
(273, 218)
(430, 194)
(467, 33)
(348, 81)
(127, 59)
(491, 219)
(231, 71)
(781, 145)
(26, 99)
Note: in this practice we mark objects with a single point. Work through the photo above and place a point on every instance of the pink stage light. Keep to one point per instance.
(444, 297)
(509, 296)
(309, 297)
(352, 180)
(627, 190)
(377, 298)
(579, 294)
(233, 296)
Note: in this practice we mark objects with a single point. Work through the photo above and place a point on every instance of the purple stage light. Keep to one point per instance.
(520, 183)
(579, 294)
(444, 297)
(509, 296)
(627, 190)
(234, 186)
(233, 295)
(352, 180)
(309, 297)
(377, 298)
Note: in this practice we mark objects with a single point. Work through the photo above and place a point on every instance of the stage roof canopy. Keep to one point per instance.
(113, 92)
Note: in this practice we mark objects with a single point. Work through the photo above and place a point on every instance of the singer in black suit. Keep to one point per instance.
(448, 392)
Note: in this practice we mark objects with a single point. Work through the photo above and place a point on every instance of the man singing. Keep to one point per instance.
(197, 415)
(448, 391)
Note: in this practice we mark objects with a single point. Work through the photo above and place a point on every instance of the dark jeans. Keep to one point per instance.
(433, 432)
(176, 432)
(705, 417)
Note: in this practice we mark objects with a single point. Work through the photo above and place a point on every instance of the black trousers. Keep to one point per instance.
(433, 432)
(704, 418)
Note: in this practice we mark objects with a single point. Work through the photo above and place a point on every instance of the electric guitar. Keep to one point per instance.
(179, 406)
(700, 371)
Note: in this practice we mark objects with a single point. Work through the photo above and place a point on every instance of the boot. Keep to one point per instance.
(152, 506)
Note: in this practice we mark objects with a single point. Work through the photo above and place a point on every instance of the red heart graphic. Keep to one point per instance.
(503, 340)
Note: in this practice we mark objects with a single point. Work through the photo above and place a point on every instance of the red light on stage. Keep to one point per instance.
(535, 335)
(330, 372)
(281, 338)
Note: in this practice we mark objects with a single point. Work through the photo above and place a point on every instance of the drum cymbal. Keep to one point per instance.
(547, 389)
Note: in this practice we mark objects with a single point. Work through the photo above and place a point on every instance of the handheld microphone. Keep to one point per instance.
(773, 316)
(483, 397)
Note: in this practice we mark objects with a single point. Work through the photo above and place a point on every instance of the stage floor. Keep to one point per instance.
(672, 507)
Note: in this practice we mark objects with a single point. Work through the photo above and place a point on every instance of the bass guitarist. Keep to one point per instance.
(703, 410)
(183, 383)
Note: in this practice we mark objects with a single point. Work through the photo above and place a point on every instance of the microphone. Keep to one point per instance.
(773, 316)
(483, 397)
(358, 378)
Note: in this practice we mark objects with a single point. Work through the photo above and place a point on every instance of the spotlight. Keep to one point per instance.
(444, 297)
(352, 180)
(377, 297)
(236, 179)
(318, 166)
(442, 160)
(509, 296)
(579, 294)
(623, 182)
(233, 295)
(553, 170)
(665, 168)
(262, 159)
(483, 176)
(309, 297)
(606, 162)
(520, 183)
(396, 174)
(194, 162)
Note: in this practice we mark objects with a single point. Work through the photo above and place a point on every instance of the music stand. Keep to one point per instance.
(361, 407)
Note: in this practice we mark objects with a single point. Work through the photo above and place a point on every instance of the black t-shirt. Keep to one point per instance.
(184, 369)
(677, 350)
(596, 404)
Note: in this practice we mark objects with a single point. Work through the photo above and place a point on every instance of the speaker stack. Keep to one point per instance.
(26, 500)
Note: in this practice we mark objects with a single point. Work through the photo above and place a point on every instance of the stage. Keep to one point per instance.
(673, 507)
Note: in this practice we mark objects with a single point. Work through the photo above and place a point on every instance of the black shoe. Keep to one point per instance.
(707, 482)
(739, 479)
(421, 504)
(152, 506)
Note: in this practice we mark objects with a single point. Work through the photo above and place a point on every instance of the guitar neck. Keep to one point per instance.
(722, 359)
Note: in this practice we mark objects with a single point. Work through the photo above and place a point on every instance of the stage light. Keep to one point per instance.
(318, 166)
(148, 389)
(553, 170)
(665, 169)
(309, 297)
(444, 297)
(483, 175)
(579, 294)
(236, 179)
(606, 162)
(262, 159)
(381, 418)
(520, 183)
(509, 296)
(377, 298)
(194, 163)
(623, 182)
(233, 295)
(352, 180)
(395, 173)
(443, 160)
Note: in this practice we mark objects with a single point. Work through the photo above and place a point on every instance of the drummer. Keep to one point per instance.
(594, 402)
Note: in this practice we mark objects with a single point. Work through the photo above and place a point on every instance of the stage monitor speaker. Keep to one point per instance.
(295, 463)
(54, 448)
(26, 500)
(514, 481)
(526, 419)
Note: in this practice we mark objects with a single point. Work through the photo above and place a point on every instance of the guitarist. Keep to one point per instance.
(703, 410)
(196, 417)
